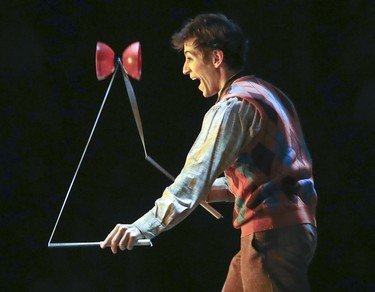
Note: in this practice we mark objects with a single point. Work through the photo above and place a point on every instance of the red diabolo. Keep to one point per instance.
(105, 60)
(132, 60)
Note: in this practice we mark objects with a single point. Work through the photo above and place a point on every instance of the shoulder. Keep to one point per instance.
(232, 108)
(246, 88)
(233, 103)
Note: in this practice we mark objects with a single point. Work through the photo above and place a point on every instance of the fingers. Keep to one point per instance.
(116, 238)
(124, 241)
(122, 236)
(131, 242)
(107, 242)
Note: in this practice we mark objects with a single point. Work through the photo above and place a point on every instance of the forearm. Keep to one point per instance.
(169, 210)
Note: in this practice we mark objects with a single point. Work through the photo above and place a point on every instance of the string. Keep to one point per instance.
(137, 117)
(83, 153)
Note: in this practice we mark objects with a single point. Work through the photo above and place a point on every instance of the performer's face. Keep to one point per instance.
(200, 68)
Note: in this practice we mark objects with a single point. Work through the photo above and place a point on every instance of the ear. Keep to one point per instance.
(217, 58)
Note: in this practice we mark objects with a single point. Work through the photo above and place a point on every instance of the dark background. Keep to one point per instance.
(321, 53)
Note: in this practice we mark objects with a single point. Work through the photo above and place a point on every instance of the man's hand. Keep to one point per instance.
(219, 192)
(123, 236)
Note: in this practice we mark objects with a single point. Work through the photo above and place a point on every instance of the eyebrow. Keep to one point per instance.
(190, 52)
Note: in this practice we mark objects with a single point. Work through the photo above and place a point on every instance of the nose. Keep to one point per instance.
(185, 69)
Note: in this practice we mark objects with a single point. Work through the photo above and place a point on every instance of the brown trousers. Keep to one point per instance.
(273, 260)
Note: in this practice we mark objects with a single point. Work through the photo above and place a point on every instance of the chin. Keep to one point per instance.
(204, 94)
(207, 95)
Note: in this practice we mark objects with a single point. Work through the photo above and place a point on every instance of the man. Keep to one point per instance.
(253, 135)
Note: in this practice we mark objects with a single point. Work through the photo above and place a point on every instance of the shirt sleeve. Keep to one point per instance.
(227, 127)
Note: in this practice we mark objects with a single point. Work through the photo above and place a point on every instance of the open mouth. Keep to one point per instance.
(196, 79)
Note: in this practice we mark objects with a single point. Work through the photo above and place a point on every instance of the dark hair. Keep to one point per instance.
(215, 31)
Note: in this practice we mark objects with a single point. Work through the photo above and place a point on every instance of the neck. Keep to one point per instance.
(227, 78)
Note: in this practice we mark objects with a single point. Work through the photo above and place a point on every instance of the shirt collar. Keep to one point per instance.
(229, 83)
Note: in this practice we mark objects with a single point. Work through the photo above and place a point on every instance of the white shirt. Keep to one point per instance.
(227, 127)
